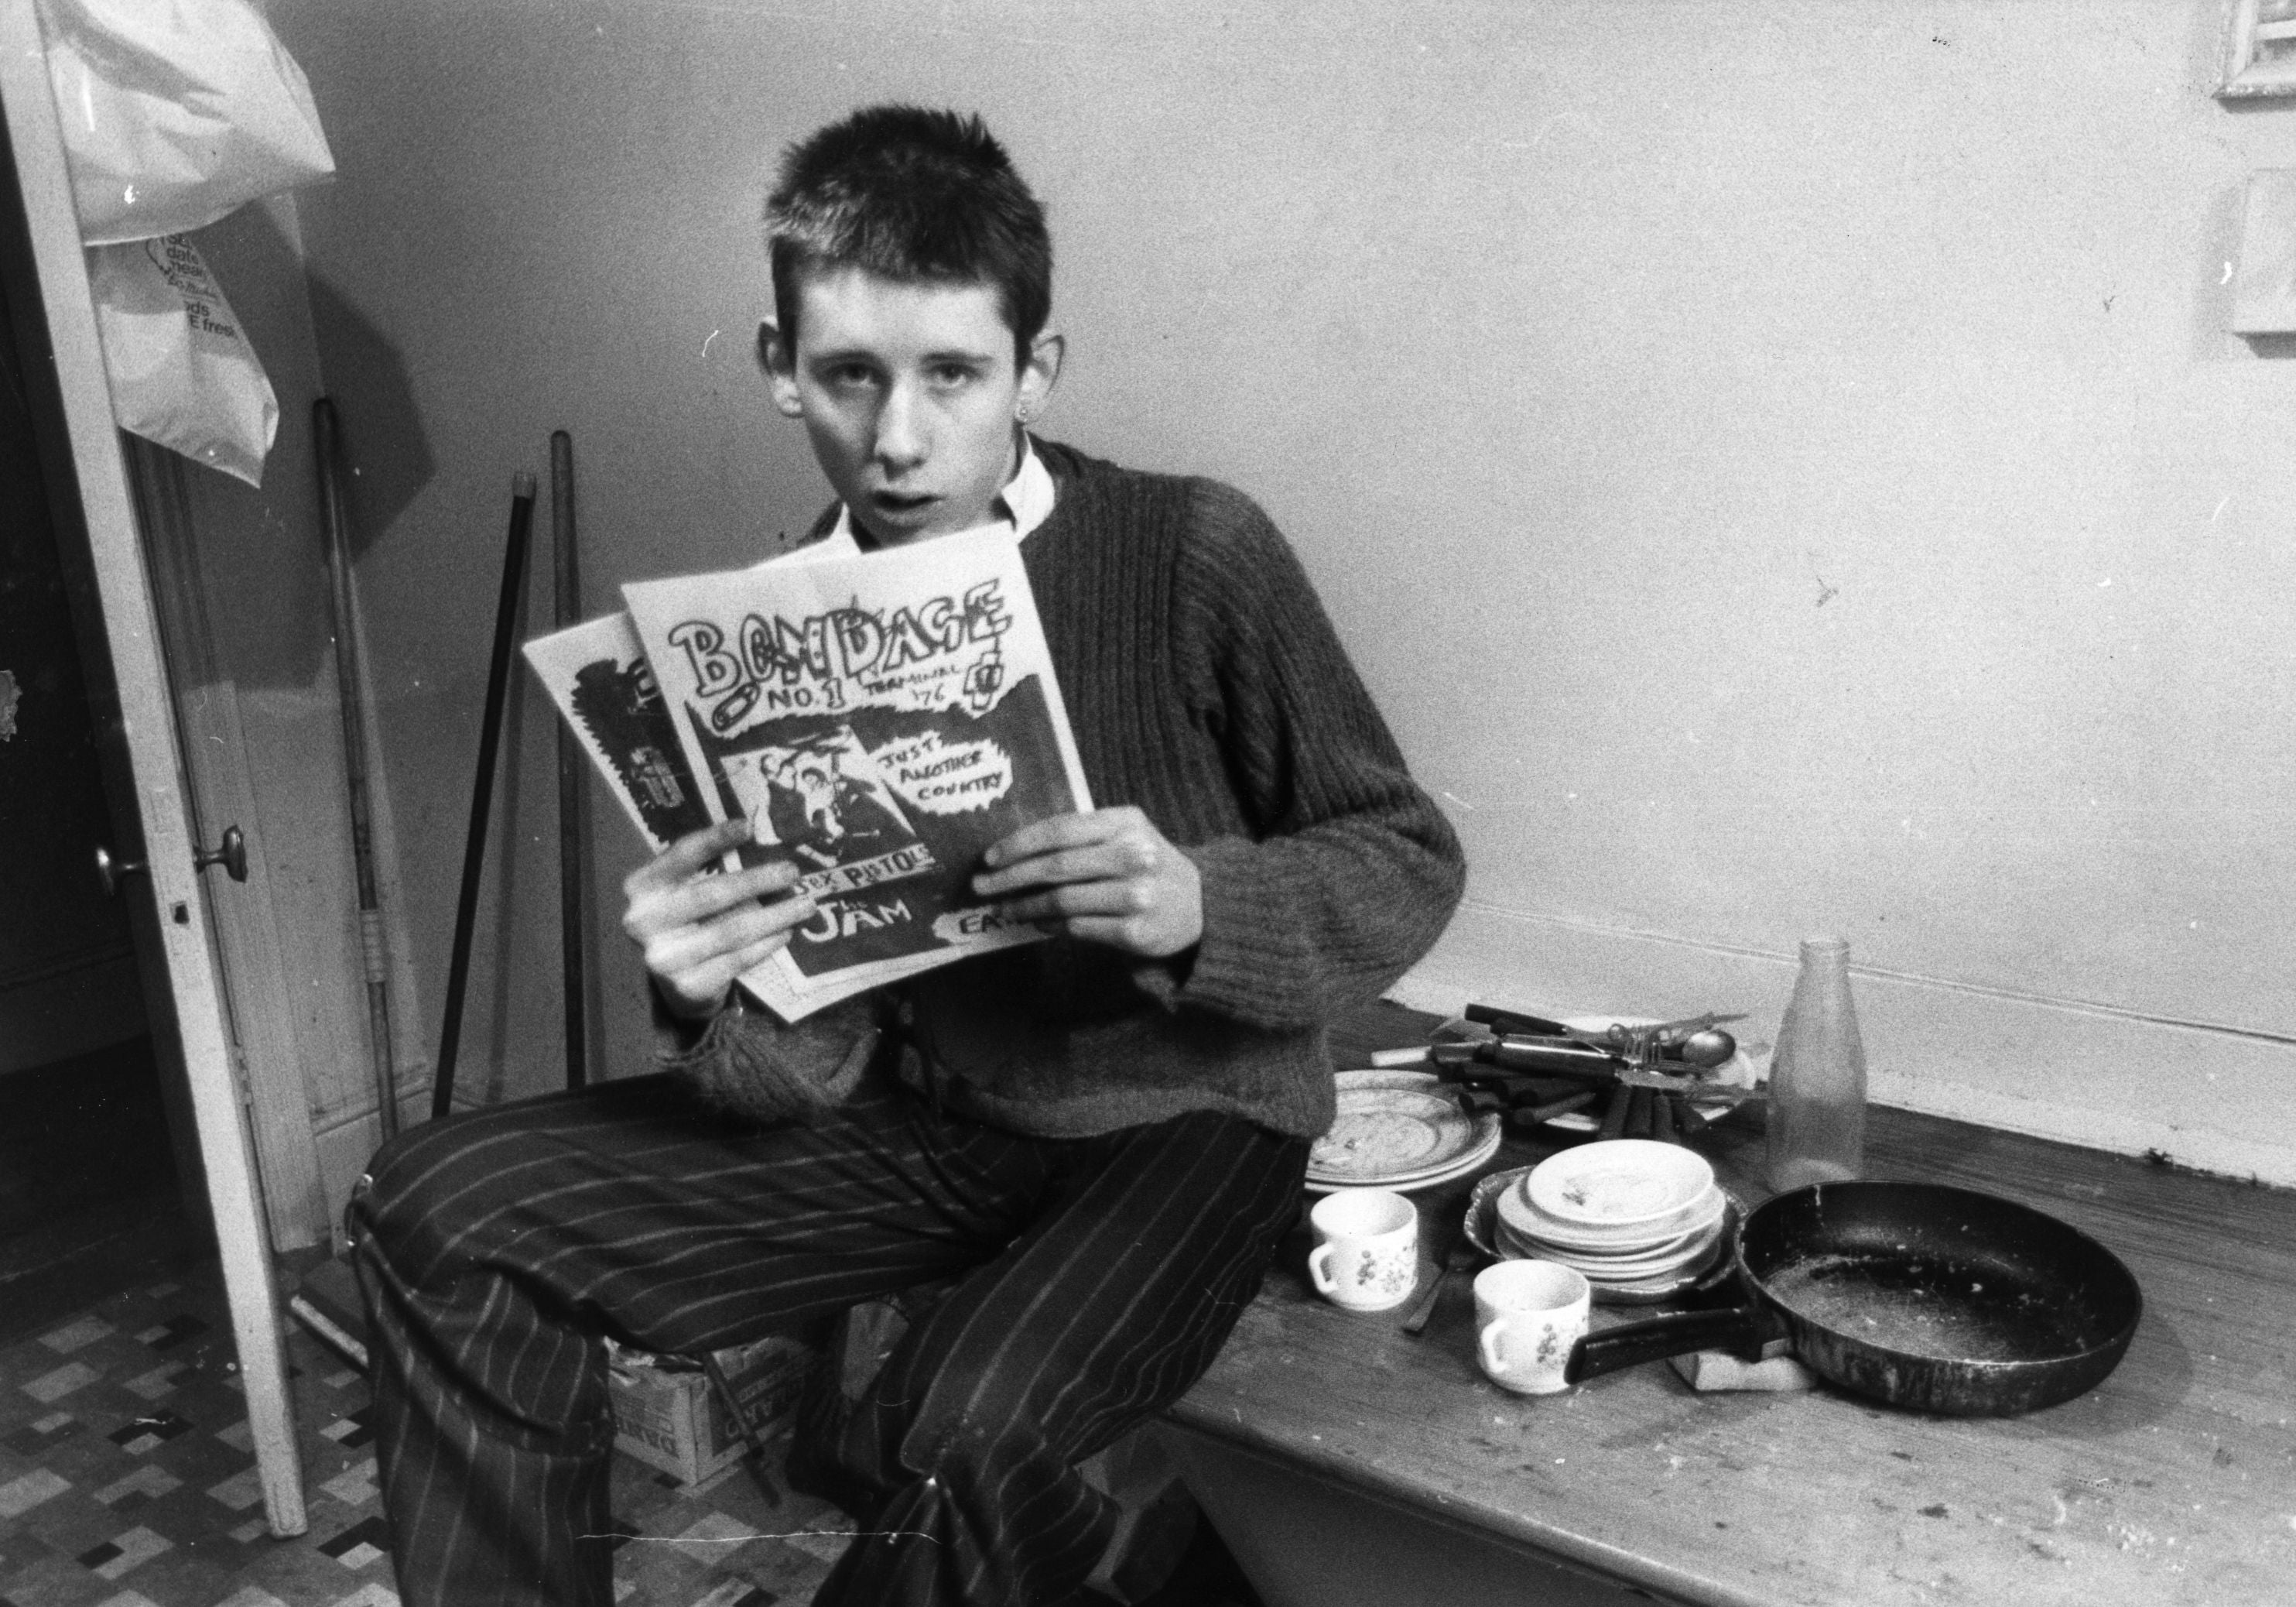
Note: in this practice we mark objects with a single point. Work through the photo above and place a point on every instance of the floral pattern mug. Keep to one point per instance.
(1528, 1315)
(1366, 1254)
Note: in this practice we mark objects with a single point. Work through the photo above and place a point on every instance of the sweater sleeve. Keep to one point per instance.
(750, 1064)
(1349, 871)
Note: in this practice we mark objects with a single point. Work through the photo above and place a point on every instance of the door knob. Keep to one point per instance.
(230, 854)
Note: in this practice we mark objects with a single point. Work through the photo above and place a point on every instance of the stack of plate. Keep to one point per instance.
(1398, 1130)
(1634, 1215)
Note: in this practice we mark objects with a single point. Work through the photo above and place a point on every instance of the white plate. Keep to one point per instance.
(1620, 1269)
(1640, 1248)
(1529, 1222)
(1614, 1292)
(1619, 1183)
(1615, 1266)
(1481, 1226)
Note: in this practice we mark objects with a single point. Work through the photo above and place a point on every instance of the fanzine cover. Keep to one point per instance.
(597, 675)
(880, 718)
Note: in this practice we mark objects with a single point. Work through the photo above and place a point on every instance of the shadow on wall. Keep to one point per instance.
(2272, 348)
(386, 458)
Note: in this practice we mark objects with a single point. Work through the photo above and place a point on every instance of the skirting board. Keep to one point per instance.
(348, 1140)
(2211, 1099)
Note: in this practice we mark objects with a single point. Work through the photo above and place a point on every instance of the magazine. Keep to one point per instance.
(597, 675)
(880, 718)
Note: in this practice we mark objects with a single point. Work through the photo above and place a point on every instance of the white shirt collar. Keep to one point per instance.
(1025, 502)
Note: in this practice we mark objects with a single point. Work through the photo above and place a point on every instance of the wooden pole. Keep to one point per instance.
(350, 686)
(474, 843)
(572, 771)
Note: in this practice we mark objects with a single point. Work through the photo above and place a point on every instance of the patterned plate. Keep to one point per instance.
(1488, 1134)
(1398, 1128)
(1390, 1133)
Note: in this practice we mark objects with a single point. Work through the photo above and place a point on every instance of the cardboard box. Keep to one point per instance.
(668, 1415)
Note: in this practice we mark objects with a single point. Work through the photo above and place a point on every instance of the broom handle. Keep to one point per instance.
(354, 715)
(571, 767)
(475, 844)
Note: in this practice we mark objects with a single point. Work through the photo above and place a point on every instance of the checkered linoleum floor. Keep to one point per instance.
(127, 1479)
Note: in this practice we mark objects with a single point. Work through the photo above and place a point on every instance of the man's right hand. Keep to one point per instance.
(698, 931)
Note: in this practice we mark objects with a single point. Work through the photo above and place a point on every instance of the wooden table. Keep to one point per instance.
(1347, 1462)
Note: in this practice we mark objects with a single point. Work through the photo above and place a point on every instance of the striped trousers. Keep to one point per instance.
(1096, 1280)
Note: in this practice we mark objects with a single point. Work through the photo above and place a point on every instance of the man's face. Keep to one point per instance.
(910, 392)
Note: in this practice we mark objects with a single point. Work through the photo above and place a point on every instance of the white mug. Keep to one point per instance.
(1366, 1254)
(1528, 1315)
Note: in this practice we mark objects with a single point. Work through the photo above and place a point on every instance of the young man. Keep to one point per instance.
(1096, 1142)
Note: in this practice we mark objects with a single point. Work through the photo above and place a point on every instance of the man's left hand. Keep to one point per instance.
(1109, 877)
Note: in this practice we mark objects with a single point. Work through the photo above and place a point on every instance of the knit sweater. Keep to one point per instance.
(1206, 686)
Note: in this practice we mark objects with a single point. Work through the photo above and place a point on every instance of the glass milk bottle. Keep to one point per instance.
(1818, 1076)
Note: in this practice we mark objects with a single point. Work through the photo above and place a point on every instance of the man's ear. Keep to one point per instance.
(781, 369)
(1038, 375)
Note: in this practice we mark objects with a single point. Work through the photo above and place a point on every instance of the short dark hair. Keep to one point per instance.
(914, 195)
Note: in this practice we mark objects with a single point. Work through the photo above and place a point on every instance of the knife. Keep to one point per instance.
(1526, 1052)
(1458, 1256)
(1512, 1021)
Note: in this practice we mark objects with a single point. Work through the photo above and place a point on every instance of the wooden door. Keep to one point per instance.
(142, 757)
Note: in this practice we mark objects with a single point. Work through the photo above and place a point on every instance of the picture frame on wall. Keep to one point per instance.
(2259, 56)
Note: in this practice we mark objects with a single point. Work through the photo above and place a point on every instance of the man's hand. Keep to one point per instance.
(699, 931)
(1108, 877)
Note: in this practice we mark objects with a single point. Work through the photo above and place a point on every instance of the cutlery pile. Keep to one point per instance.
(1641, 1075)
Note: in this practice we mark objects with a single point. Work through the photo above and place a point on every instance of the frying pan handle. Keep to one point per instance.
(1630, 1344)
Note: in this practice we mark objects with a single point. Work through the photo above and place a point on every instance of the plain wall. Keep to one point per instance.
(1777, 465)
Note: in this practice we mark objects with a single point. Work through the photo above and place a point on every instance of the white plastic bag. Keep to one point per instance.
(176, 111)
(182, 372)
